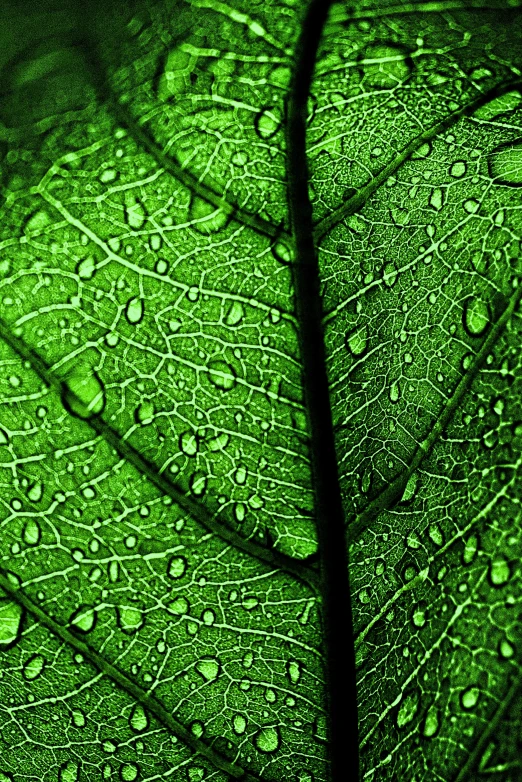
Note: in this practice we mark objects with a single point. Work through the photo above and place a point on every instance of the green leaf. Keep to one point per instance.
(260, 314)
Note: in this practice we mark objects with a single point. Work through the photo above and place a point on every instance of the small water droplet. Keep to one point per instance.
(84, 618)
(476, 316)
(469, 697)
(209, 668)
(144, 413)
(267, 739)
(357, 340)
(436, 199)
(177, 567)
(395, 392)
(249, 602)
(86, 268)
(506, 649)
(198, 483)
(205, 217)
(283, 252)
(138, 719)
(222, 375)
(239, 724)
(389, 274)
(83, 394)
(435, 533)
(134, 310)
(293, 669)
(35, 491)
(458, 169)
(419, 616)
(471, 206)
(38, 221)
(188, 443)
(31, 533)
(130, 619)
(267, 122)
(33, 667)
(78, 718)
(135, 213)
(499, 572)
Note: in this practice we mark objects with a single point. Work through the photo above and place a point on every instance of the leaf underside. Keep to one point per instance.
(161, 614)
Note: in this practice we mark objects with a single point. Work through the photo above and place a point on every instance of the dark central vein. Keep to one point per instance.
(336, 607)
(211, 521)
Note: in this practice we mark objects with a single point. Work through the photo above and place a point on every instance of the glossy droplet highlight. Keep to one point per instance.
(476, 316)
(33, 667)
(267, 122)
(11, 616)
(267, 739)
(357, 340)
(129, 772)
(431, 723)
(83, 394)
(144, 413)
(134, 310)
(293, 669)
(208, 668)
(179, 606)
(188, 443)
(505, 164)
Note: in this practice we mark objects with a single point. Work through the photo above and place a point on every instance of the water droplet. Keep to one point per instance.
(130, 619)
(283, 252)
(135, 213)
(108, 175)
(86, 268)
(31, 533)
(505, 164)
(267, 122)
(129, 772)
(235, 314)
(435, 534)
(83, 394)
(249, 602)
(419, 616)
(179, 606)
(138, 719)
(84, 618)
(33, 667)
(471, 206)
(205, 217)
(506, 649)
(222, 375)
(144, 413)
(4, 438)
(69, 772)
(293, 669)
(35, 491)
(469, 697)
(267, 739)
(11, 618)
(177, 567)
(431, 723)
(209, 668)
(248, 659)
(470, 549)
(188, 443)
(395, 392)
(499, 572)
(198, 483)
(476, 316)
(197, 728)
(389, 274)
(239, 724)
(78, 718)
(408, 709)
(458, 169)
(134, 310)
(436, 198)
(357, 340)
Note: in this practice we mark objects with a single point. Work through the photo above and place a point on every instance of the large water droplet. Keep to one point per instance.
(431, 723)
(84, 618)
(129, 772)
(130, 619)
(499, 572)
(135, 214)
(11, 616)
(505, 164)
(239, 724)
(179, 606)
(469, 697)
(267, 739)
(33, 667)
(69, 772)
(144, 413)
(198, 483)
(188, 443)
(476, 316)
(138, 719)
(357, 340)
(31, 533)
(222, 375)
(208, 668)
(235, 314)
(293, 669)
(386, 65)
(177, 567)
(267, 122)
(83, 394)
(134, 310)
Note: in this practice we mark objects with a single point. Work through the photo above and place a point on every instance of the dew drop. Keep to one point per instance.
(458, 169)
(37, 221)
(177, 567)
(144, 413)
(69, 772)
(505, 164)
(11, 619)
(470, 549)
(209, 668)
(293, 669)
(84, 618)
(407, 710)
(419, 617)
(499, 572)
(283, 252)
(130, 619)
(134, 310)
(83, 394)
(394, 392)
(389, 275)
(86, 268)
(188, 443)
(506, 649)
(33, 667)
(357, 340)
(138, 719)
(4, 439)
(431, 723)
(179, 606)
(471, 206)
(78, 718)
(249, 602)
(235, 314)
(222, 375)
(436, 199)
(135, 214)
(267, 739)
(31, 533)
(239, 724)
(35, 491)
(476, 316)
(267, 122)
(129, 772)
(198, 483)
(469, 697)
(435, 534)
